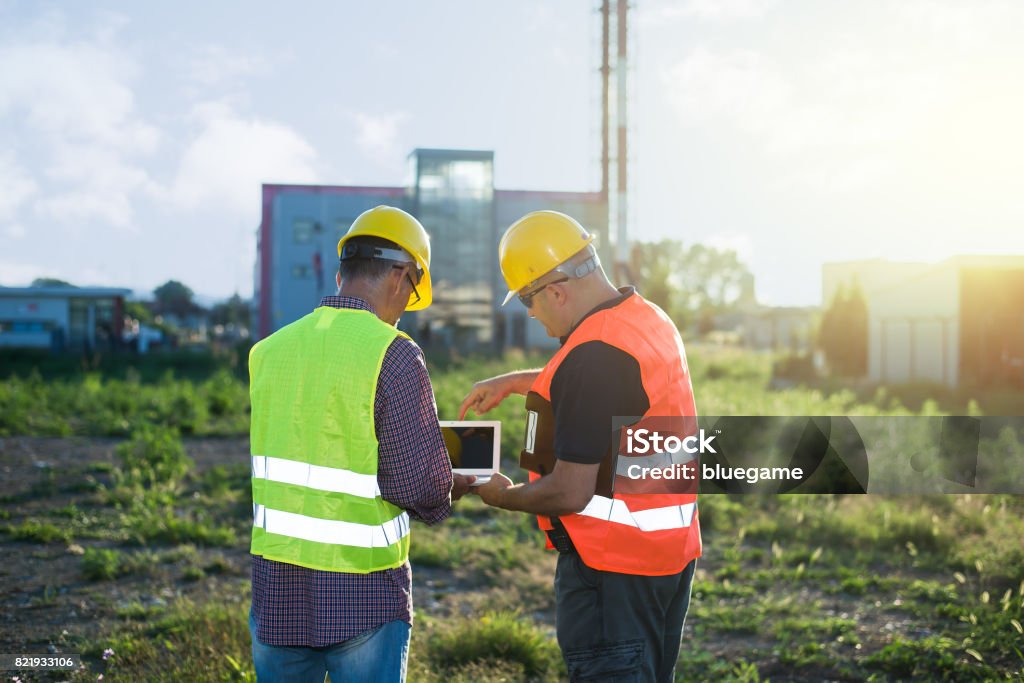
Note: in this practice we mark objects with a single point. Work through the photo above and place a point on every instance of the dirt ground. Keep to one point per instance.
(46, 601)
(47, 604)
(43, 592)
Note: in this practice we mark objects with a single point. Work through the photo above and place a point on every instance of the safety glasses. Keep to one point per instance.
(527, 299)
(413, 283)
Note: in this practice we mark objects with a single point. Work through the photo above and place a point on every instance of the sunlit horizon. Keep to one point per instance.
(798, 133)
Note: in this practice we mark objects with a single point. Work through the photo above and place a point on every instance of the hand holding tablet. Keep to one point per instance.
(474, 447)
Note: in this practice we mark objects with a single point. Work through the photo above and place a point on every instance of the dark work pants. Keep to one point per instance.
(619, 627)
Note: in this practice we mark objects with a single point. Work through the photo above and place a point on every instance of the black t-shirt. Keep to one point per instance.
(594, 383)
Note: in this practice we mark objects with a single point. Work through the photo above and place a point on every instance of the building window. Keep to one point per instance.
(26, 326)
(303, 230)
(301, 272)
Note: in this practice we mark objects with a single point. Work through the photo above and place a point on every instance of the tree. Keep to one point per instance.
(51, 282)
(233, 311)
(175, 298)
(137, 310)
(843, 334)
(713, 278)
(652, 266)
(689, 283)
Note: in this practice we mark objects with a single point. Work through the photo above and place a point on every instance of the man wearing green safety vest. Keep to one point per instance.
(346, 449)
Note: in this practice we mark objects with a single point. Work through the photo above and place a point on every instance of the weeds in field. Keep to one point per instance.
(951, 565)
(185, 642)
(930, 658)
(144, 525)
(503, 640)
(39, 532)
(101, 563)
(153, 461)
(94, 406)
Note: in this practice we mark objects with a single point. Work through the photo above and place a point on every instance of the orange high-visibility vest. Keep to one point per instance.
(631, 526)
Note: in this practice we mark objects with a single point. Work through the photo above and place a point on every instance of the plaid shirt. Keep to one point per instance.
(300, 607)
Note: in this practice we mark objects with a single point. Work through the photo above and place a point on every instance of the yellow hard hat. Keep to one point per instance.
(404, 230)
(536, 244)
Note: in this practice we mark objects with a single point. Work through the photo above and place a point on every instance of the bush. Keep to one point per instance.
(101, 564)
(502, 636)
(91, 404)
(154, 459)
(795, 369)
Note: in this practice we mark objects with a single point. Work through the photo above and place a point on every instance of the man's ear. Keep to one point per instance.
(559, 293)
(397, 276)
(337, 278)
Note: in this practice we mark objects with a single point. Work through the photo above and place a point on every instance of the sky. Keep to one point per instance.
(134, 136)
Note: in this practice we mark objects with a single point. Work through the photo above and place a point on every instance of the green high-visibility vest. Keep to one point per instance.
(315, 497)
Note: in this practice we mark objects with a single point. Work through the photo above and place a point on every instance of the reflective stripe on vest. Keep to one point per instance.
(314, 476)
(643, 530)
(329, 530)
(316, 501)
(653, 519)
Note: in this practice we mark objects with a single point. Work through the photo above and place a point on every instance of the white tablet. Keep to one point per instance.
(474, 447)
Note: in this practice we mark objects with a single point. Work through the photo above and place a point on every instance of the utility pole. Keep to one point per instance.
(621, 157)
(605, 74)
(616, 201)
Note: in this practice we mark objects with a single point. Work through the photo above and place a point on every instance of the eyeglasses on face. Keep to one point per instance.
(527, 298)
(419, 277)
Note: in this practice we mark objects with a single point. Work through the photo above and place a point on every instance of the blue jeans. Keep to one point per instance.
(378, 655)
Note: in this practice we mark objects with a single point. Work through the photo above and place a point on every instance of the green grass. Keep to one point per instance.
(145, 526)
(101, 563)
(91, 405)
(492, 645)
(104, 564)
(790, 585)
(185, 642)
(478, 539)
(37, 532)
(704, 665)
(210, 642)
(188, 364)
(931, 658)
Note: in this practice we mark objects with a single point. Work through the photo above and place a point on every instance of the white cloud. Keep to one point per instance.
(80, 206)
(378, 134)
(833, 123)
(72, 106)
(75, 91)
(16, 186)
(95, 182)
(15, 231)
(657, 13)
(742, 87)
(231, 156)
(216, 66)
(740, 243)
(958, 23)
(20, 274)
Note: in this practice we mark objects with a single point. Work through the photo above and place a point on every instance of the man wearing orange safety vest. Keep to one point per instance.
(627, 545)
